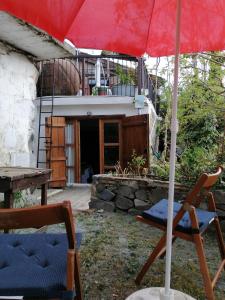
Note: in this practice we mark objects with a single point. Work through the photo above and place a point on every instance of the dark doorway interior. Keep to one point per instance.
(89, 149)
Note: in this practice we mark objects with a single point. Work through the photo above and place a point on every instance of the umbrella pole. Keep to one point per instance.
(174, 129)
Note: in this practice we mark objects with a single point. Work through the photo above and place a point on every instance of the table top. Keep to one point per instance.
(14, 173)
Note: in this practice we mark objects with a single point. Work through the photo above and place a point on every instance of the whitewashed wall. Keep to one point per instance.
(18, 78)
(96, 106)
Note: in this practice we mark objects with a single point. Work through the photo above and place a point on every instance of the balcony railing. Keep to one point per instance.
(84, 75)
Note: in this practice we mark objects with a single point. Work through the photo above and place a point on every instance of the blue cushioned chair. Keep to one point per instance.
(40, 265)
(189, 223)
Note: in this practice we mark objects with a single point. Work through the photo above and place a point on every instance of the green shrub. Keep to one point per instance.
(194, 161)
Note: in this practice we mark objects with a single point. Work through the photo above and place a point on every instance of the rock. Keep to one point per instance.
(109, 206)
(131, 183)
(123, 203)
(100, 187)
(157, 194)
(126, 191)
(106, 195)
(97, 204)
(101, 204)
(112, 189)
(141, 195)
(141, 205)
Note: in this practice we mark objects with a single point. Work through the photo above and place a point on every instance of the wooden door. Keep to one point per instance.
(77, 151)
(135, 136)
(55, 156)
(109, 144)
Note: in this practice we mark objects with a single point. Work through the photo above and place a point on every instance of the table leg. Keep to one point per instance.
(44, 188)
(8, 199)
(8, 203)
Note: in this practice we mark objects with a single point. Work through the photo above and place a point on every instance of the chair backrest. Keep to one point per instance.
(38, 216)
(202, 187)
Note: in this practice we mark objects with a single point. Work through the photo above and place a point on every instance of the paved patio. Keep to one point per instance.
(79, 195)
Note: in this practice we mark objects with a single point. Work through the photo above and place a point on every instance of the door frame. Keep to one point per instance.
(75, 120)
(102, 143)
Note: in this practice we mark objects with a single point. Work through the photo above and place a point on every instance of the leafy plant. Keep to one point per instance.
(19, 201)
(125, 77)
(195, 161)
(136, 164)
(94, 91)
(160, 169)
(135, 167)
(201, 118)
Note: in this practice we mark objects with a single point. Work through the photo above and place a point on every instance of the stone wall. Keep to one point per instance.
(129, 194)
(18, 77)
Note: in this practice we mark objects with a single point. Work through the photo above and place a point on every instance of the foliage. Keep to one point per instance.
(200, 114)
(160, 169)
(194, 162)
(126, 77)
(137, 163)
(94, 91)
(19, 201)
(135, 167)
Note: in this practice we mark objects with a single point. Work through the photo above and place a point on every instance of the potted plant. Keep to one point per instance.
(126, 85)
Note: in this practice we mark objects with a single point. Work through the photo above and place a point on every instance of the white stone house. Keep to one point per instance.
(81, 124)
(20, 46)
(86, 134)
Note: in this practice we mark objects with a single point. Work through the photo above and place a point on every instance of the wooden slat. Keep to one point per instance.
(101, 145)
(36, 216)
(58, 157)
(77, 150)
(135, 136)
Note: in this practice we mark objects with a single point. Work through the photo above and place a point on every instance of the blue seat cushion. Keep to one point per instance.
(158, 214)
(34, 265)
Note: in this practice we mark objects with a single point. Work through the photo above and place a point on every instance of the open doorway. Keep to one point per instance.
(89, 149)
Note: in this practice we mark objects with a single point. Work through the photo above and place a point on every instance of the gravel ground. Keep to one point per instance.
(114, 248)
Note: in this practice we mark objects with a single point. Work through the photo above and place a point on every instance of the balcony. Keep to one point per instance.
(88, 75)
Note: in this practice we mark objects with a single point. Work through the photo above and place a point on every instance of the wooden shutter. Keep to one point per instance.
(56, 153)
(135, 136)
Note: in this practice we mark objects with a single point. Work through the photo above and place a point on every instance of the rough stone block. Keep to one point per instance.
(106, 195)
(108, 206)
(123, 203)
(101, 204)
(96, 204)
(157, 194)
(141, 195)
(141, 205)
(100, 187)
(131, 183)
(126, 191)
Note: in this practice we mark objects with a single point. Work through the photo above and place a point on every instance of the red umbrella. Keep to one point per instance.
(156, 27)
(133, 27)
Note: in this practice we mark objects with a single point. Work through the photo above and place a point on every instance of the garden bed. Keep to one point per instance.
(112, 193)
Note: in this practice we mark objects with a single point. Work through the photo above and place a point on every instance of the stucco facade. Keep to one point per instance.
(18, 77)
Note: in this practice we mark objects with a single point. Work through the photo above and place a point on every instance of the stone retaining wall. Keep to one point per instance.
(129, 194)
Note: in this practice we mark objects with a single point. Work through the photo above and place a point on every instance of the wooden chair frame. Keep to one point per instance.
(38, 216)
(200, 191)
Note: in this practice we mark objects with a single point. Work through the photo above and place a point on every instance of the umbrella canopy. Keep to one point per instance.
(134, 27)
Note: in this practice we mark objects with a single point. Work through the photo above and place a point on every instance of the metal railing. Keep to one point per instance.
(83, 75)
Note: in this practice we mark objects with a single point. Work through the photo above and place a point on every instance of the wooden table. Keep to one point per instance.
(14, 179)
